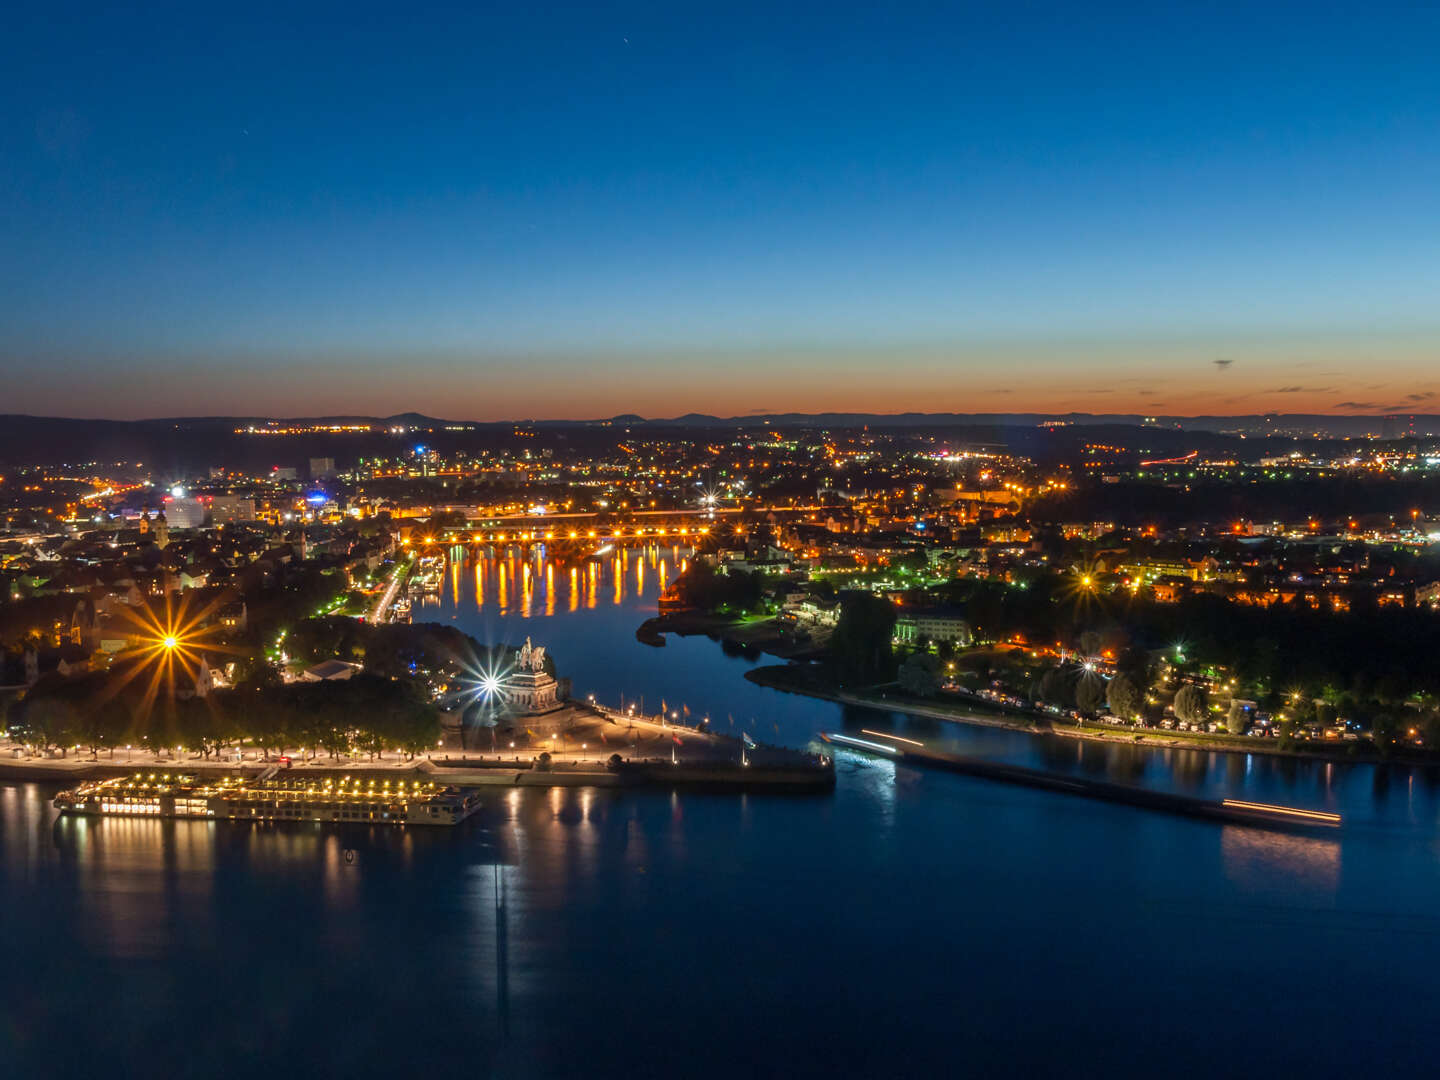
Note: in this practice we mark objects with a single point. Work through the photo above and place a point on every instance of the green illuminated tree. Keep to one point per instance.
(1123, 697)
(1190, 705)
(1237, 719)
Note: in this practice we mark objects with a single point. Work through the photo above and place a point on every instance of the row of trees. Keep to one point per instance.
(735, 593)
(391, 649)
(1380, 655)
(860, 652)
(1126, 696)
(367, 713)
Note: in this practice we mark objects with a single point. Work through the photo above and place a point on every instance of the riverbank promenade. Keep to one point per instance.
(600, 753)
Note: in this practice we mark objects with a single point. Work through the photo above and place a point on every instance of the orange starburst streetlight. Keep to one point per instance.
(169, 643)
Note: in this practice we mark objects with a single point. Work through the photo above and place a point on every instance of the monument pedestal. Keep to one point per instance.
(532, 692)
(533, 698)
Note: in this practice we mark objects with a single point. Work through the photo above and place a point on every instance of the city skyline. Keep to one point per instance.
(605, 211)
(729, 540)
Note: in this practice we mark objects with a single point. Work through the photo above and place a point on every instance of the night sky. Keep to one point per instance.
(536, 211)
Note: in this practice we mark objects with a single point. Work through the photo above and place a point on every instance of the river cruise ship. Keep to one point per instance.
(342, 800)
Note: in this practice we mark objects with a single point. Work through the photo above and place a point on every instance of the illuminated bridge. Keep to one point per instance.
(668, 526)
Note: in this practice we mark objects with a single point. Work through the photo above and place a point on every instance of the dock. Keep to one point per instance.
(1226, 811)
(795, 774)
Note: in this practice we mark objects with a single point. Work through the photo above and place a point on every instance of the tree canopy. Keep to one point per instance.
(1123, 697)
(860, 650)
(365, 713)
(1190, 705)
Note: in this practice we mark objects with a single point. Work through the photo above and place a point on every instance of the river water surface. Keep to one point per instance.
(910, 923)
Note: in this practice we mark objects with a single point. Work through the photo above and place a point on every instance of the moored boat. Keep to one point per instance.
(347, 800)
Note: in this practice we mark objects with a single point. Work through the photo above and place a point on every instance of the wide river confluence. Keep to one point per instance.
(911, 923)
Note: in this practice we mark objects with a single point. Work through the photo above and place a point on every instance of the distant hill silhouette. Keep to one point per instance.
(179, 445)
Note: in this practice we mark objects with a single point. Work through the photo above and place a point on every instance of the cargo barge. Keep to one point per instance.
(345, 800)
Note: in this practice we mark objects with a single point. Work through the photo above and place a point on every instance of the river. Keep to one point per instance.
(912, 922)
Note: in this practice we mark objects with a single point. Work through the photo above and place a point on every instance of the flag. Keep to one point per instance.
(677, 740)
(748, 741)
(685, 709)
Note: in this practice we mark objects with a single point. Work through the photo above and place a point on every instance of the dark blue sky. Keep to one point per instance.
(524, 211)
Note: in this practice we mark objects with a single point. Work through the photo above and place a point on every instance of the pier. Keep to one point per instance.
(1226, 811)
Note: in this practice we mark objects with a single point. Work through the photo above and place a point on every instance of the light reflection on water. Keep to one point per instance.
(722, 932)
(490, 587)
(1311, 862)
(577, 903)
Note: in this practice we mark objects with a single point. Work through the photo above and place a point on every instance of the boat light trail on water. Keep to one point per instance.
(1267, 808)
(887, 735)
(850, 740)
